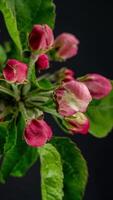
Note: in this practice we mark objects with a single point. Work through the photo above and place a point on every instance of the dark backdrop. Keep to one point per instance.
(92, 23)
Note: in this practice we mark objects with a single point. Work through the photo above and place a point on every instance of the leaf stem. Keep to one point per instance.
(36, 98)
(22, 109)
(16, 91)
(59, 124)
(39, 96)
(7, 91)
(50, 111)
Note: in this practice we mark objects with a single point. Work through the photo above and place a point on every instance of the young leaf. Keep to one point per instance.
(45, 84)
(100, 113)
(21, 15)
(51, 173)
(74, 168)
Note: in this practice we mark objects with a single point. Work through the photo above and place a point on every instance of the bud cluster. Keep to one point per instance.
(70, 96)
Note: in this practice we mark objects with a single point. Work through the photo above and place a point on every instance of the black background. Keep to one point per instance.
(92, 23)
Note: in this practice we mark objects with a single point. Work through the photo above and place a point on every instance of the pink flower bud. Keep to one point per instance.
(68, 78)
(69, 72)
(66, 45)
(72, 97)
(41, 37)
(68, 75)
(77, 123)
(98, 85)
(42, 62)
(15, 71)
(64, 75)
(37, 133)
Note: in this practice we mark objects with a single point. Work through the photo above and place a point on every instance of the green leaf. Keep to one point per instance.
(45, 84)
(16, 160)
(100, 113)
(21, 15)
(51, 173)
(3, 135)
(74, 167)
(46, 13)
(3, 56)
(13, 156)
(7, 9)
(26, 161)
(11, 136)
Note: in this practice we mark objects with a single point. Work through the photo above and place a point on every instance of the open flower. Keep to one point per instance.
(72, 97)
(43, 62)
(41, 37)
(37, 133)
(78, 123)
(98, 85)
(15, 71)
(66, 46)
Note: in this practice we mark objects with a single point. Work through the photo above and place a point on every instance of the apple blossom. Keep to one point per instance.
(37, 133)
(15, 71)
(77, 123)
(98, 85)
(43, 62)
(41, 37)
(66, 46)
(72, 97)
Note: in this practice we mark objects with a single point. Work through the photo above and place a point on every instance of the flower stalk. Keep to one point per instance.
(31, 70)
